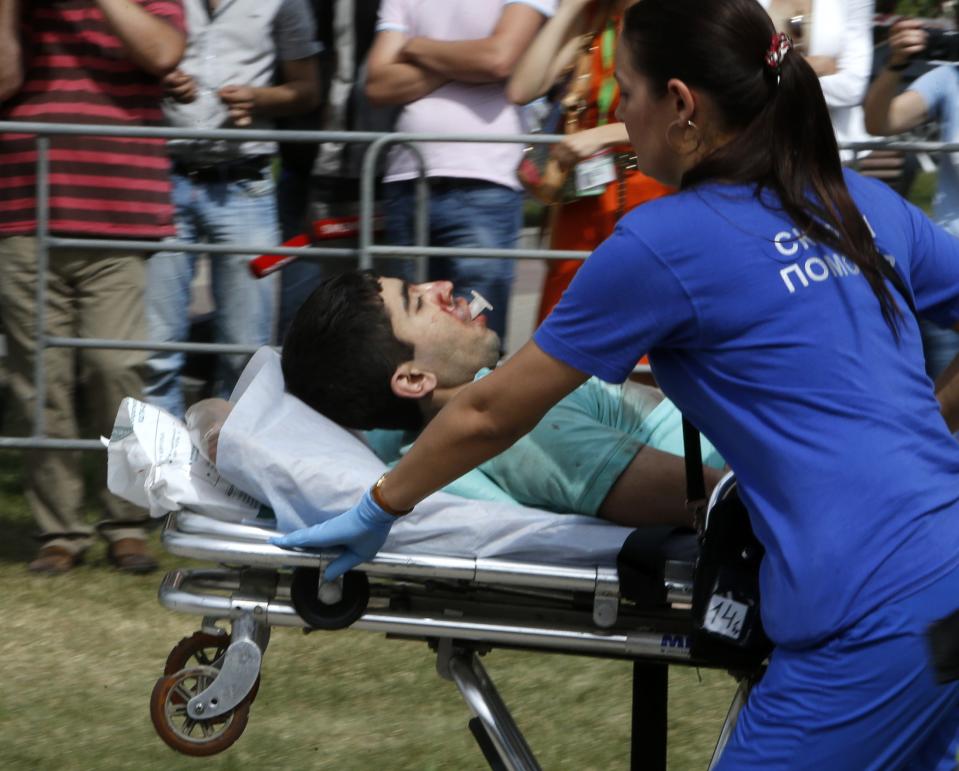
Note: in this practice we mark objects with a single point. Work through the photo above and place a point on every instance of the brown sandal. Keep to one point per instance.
(54, 561)
(131, 556)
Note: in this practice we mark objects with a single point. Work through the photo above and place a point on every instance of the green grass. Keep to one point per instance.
(80, 654)
(922, 190)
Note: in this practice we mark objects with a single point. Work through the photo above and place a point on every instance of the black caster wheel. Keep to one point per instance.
(336, 615)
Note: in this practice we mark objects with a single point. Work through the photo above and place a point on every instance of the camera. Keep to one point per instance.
(941, 45)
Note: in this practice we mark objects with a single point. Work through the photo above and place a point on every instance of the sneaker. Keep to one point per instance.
(54, 561)
(131, 556)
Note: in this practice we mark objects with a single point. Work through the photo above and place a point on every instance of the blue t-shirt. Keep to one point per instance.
(776, 349)
(939, 89)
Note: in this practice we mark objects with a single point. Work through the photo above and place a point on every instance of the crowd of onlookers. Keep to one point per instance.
(421, 66)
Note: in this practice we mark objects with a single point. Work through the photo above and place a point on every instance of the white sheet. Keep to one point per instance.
(309, 469)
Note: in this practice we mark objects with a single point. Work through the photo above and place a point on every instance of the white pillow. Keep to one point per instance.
(308, 469)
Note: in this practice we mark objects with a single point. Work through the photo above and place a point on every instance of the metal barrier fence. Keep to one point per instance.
(364, 252)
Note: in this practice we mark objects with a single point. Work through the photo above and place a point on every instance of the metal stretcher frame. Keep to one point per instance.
(462, 607)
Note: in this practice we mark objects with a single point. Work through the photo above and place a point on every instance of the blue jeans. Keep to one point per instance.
(940, 346)
(469, 213)
(301, 277)
(240, 212)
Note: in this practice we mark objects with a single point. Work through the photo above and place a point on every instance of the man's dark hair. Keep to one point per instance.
(340, 353)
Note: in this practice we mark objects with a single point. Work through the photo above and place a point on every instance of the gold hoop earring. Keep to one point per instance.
(676, 147)
(682, 146)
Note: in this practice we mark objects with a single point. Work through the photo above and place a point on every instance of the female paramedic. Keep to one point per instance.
(760, 291)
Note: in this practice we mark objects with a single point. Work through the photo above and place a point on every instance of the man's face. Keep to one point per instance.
(438, 326)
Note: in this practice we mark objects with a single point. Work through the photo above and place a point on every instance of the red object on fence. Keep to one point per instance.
(266, 264)
(323, 230)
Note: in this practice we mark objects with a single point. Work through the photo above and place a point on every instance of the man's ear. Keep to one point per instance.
(410, 382)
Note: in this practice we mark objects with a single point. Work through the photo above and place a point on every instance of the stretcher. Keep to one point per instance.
(559, 583)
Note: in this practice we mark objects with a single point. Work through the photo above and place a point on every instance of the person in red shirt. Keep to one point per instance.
(95, 62)
(584, 221)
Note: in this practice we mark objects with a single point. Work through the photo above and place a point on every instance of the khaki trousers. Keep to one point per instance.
(90, 294)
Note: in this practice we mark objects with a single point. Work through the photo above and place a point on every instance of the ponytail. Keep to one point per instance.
(784, 138)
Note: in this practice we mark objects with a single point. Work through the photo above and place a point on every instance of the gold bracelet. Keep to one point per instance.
(377, 496)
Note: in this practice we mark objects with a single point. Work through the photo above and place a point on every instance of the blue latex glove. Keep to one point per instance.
(361, 531)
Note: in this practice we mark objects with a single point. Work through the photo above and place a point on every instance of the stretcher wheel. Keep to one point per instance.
(201, 649)
(337, 615)
(197, 738)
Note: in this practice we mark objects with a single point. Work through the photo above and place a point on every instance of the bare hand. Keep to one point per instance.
(239, 100)
(906, 39)
(204, 421)
(180, 87)
(11, 68)
(578, 147)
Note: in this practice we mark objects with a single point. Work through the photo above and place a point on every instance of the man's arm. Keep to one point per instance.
(11, 63)
(652, 491)
(485, 60)
(150, 42)
(947, 392)
(298, 92)
(886, 111)
(392, 81)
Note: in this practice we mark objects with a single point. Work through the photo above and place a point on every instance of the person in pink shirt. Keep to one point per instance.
(446, 62)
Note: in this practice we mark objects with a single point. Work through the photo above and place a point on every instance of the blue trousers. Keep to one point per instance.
(299, 278)
(241, 212)
(468, 213)
(939, 345)
(863, 700)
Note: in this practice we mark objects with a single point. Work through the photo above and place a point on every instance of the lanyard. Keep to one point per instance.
(608, 87)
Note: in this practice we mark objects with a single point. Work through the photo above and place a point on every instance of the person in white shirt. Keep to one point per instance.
(447, 62)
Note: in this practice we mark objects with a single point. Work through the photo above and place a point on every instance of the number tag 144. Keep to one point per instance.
(725, 617)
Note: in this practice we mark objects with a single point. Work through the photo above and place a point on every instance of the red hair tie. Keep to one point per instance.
(779, 46)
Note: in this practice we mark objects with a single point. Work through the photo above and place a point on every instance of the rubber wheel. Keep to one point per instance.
(201, 649)
(338, 615)
(197, 738)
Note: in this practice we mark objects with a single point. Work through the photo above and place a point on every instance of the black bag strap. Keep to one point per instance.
(695, 481)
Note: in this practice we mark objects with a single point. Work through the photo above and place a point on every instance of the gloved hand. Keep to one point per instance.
(361, 531)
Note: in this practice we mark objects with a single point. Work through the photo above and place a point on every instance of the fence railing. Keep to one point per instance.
(364, 252)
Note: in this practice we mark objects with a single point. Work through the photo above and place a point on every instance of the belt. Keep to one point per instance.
(450, 182)
(253, 168)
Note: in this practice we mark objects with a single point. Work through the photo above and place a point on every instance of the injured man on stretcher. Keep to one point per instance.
(384, 356)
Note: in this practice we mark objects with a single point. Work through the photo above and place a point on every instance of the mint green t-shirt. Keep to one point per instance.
(569, 462)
